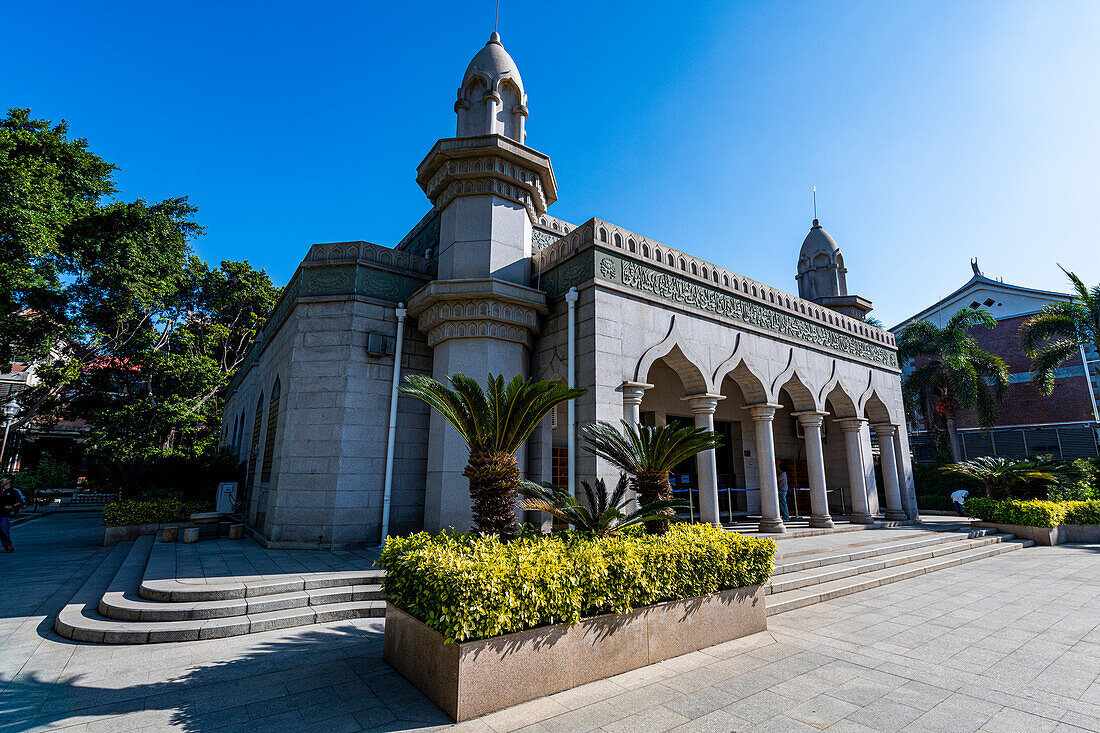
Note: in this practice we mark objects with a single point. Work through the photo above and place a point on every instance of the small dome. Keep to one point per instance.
(818, 240)
(494, 64)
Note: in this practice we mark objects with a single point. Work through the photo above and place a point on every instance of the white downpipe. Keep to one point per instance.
(571, 406)
(392, 437)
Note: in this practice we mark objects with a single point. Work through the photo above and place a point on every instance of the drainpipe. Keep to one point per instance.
(571, 407)
(391, 438)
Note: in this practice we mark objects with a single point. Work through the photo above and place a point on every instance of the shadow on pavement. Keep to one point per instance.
(327, 679)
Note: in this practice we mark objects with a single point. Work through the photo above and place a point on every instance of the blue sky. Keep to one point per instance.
(934, 131)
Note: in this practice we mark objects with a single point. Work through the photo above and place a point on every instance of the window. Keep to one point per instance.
(269, 439)
(254, 450)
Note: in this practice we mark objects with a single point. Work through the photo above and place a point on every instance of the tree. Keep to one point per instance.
(494, 422)
(127, 328)
(1004, 477)
(647, 455)
(951, 373)
(605, 514)
(1059, 331)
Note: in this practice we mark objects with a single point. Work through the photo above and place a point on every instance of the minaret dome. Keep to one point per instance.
(821, 272)
(491, 100)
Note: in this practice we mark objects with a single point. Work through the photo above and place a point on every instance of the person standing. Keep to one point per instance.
(10, 501)
(784, 510)
(957, 498)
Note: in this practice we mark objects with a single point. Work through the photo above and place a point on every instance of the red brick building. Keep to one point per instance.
(1064, 424)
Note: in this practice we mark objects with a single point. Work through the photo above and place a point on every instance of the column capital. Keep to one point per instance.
(851, 424)
(884, 429)
(810, 418)
(763, 412)
(701, 404)
(634, 391)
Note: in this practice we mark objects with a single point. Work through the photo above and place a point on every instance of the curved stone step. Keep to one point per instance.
(127, 606)
(792, 599)
(161, 581)
(84, 625)
(68, 622)
(827, 573)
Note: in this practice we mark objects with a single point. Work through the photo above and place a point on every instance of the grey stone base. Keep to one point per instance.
(473, 678)
(896, 516)
(821, 522)
(857, 518)
(772, 526)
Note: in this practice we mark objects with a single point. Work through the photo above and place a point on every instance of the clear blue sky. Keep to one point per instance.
(934, 131)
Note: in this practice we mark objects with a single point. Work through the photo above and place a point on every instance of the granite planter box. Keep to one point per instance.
(472, 678)
(124, 532)
(1049, 535)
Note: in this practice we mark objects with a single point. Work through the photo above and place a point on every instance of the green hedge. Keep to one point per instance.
(131, 511)
(475, 586)
(934, 502)
(1034, 513)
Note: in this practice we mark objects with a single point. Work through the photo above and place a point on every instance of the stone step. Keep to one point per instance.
(872, 537)
(809, 595)
(815, 576)
(128, 606)
(83, 624)
(850, 553)
(163, 581)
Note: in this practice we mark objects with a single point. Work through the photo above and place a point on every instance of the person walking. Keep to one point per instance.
(10, 501)
(957, 498)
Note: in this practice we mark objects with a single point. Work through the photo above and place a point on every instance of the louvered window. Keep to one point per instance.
(269, 440)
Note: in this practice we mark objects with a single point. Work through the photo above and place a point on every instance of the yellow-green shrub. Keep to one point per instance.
(1034, 513)
(475, 586)
(1083, 512)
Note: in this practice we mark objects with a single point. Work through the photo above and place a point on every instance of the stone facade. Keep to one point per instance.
(487, 278)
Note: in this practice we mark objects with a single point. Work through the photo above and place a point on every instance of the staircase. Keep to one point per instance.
(134, 598)
(803, 577)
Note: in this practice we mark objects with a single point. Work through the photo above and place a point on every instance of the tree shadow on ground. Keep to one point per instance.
(328, 679)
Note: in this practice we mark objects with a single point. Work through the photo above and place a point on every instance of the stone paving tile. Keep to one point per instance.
(1003, 644)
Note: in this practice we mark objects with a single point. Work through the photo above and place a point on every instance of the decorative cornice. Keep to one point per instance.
(629, 245)
(599, 265)
(470, 166)
(447, 309)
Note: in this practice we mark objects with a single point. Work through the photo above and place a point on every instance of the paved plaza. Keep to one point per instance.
(1006, 643)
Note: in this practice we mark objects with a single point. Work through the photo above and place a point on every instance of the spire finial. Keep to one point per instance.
(496, 22)
(815, 206)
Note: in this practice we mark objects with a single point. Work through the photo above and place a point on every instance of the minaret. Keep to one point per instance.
(822, 276)
(480, 315)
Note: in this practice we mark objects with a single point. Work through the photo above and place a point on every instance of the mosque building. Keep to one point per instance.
(488, 281)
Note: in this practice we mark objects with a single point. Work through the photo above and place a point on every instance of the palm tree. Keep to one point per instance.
(647, 455)
(1003, 476)
(605, 515)
(951, 373)
(494, 422)
(1059, 331)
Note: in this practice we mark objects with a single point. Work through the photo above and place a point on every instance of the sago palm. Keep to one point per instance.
(1059, 331)
(494, 422)
(647, 455)
(1005, 477)
(605, 514)
(951, 373)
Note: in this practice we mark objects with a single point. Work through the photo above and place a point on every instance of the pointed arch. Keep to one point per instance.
(675, 351)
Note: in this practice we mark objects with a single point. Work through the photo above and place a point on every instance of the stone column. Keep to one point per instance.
(762, 416)
(815, 462)
(858, 482)
(885, 432)
(633, 392)
(702, 406)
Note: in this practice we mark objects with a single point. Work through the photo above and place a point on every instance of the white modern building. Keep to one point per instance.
(488, 281)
